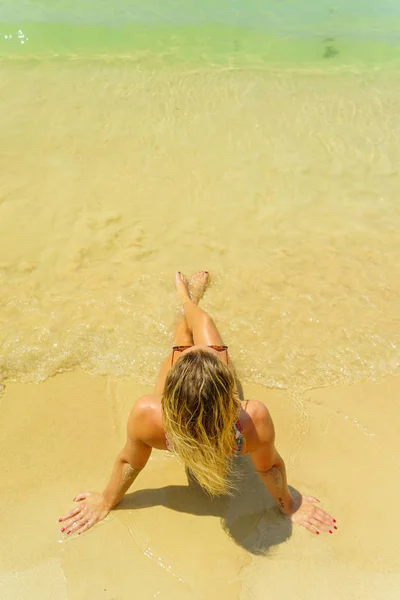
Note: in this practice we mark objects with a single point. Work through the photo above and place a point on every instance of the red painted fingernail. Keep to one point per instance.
(62, 530)
(334, 527)
(317, 532)
(334, 520)
(70, 532)
(59, 520)
(330, 531)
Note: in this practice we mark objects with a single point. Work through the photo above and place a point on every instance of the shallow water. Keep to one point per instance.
(284, 185)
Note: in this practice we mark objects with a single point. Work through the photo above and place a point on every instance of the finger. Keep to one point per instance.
(326, 521)
(311, 499)
(322, 515)
(320, 525)
(311, 527)
(77, 524)
(82, 496)
(69, 522)
(71, 513)
(80, 514)
(85, 527)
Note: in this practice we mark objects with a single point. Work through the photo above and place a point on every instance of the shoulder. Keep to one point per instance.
(145, 416)
(259, 424)
(257, 410)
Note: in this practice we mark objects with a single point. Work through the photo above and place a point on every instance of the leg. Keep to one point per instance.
(183, 334)
(182, 337)
(203, 328)
(201, 325)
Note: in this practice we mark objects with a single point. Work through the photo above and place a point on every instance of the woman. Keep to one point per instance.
(195, 411)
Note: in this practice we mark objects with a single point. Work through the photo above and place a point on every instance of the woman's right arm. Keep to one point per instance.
(92, 506)
(127, 466)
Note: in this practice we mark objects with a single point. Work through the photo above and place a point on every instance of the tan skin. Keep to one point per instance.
(145, 431)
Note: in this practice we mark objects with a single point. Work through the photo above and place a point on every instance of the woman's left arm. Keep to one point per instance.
(270, 466)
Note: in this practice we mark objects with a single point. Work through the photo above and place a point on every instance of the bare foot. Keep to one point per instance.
(198, 284)
(182, 287)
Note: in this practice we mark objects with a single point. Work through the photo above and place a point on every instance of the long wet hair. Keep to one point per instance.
(199, 408)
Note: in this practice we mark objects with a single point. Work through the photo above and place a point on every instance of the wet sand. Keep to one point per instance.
(166, 539)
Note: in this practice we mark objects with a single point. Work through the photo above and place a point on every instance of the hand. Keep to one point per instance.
(91, 509)
(308, 515)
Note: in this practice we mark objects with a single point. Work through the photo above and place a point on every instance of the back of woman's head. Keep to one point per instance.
(199, 408)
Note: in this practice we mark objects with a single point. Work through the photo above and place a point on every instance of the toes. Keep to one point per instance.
(180, 278)
(202, 274)
(201, 277)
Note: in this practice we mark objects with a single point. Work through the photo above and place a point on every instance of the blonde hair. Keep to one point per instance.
(200, 407)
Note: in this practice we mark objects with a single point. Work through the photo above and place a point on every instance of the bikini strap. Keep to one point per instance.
(168, 444)
(237, 428)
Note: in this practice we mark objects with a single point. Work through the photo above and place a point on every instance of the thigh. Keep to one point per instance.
(205, 332)
(162, 375)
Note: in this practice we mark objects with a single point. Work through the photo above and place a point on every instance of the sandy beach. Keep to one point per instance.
(285, 186)
(168, 540)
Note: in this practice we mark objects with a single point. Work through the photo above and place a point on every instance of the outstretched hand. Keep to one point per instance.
(307, 514)
(90, 509)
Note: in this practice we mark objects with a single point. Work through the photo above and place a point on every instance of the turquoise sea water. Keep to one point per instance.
(236, 33)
